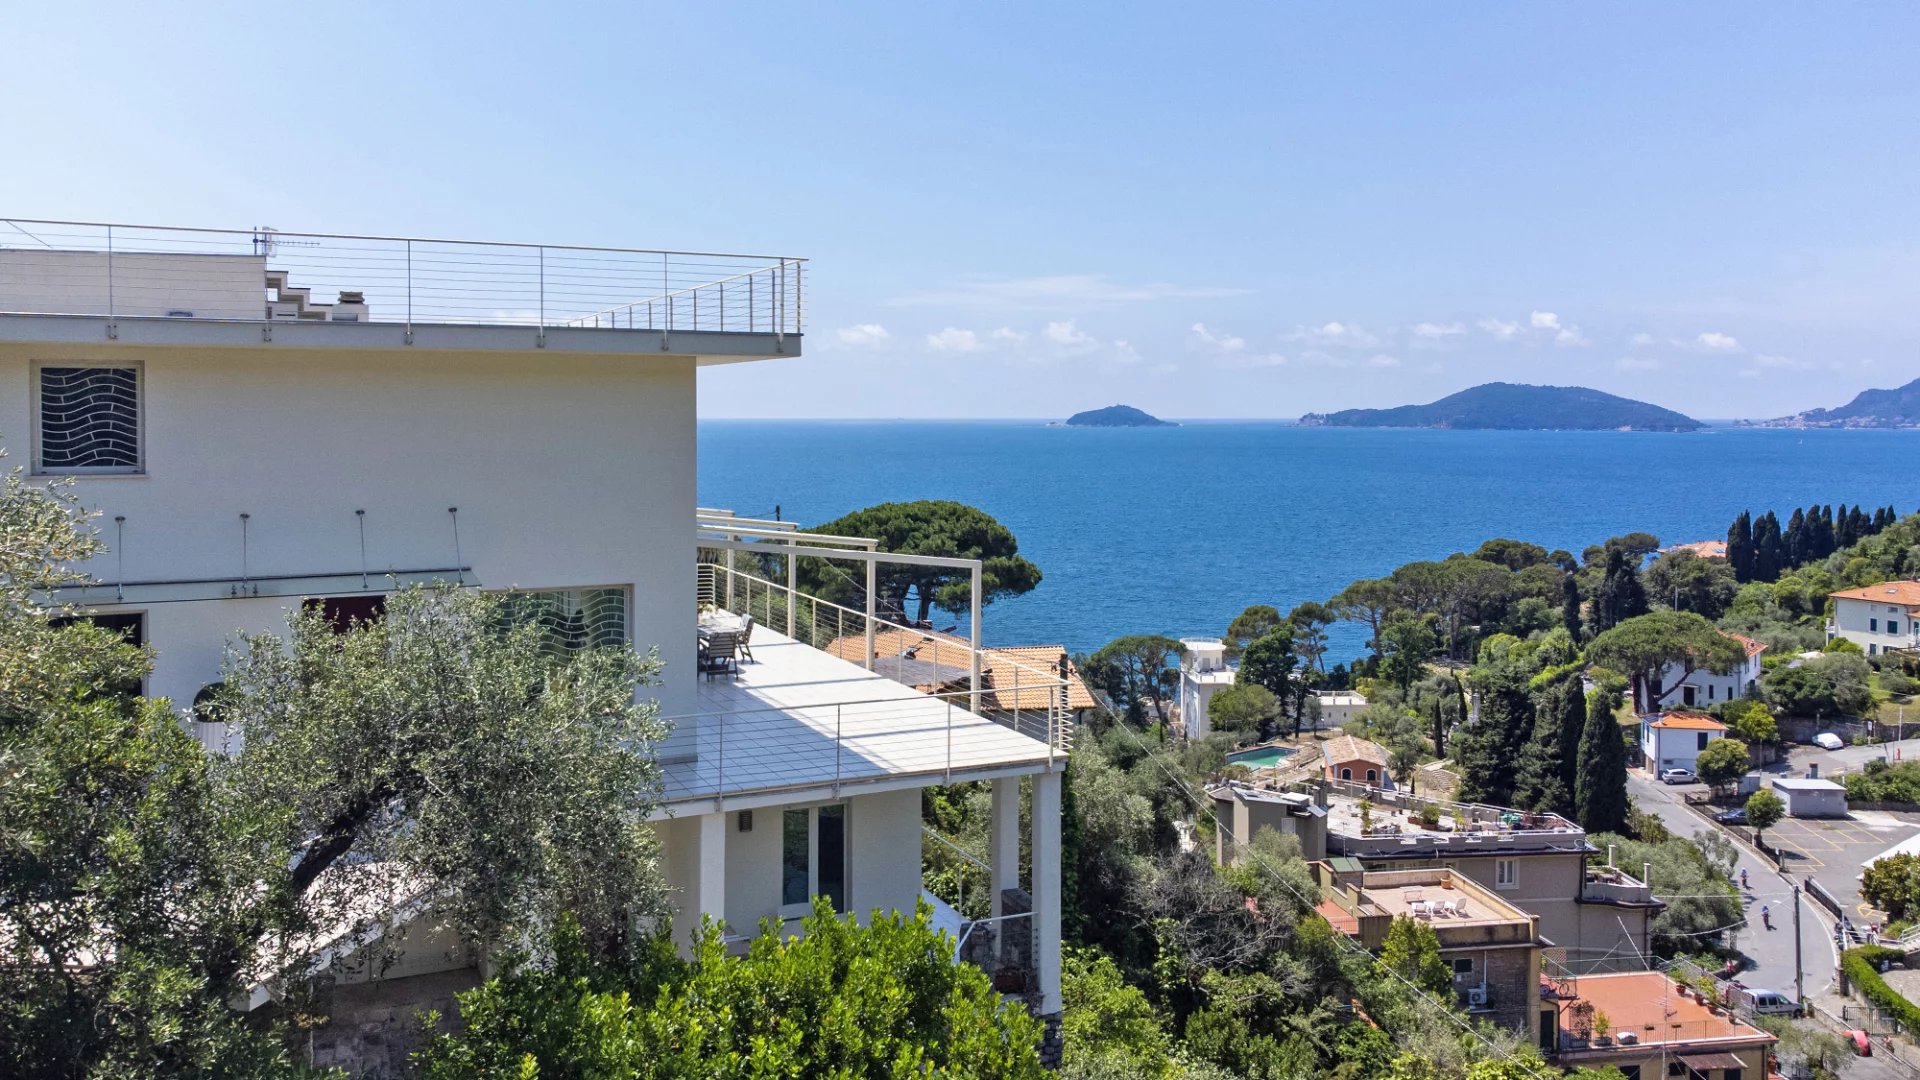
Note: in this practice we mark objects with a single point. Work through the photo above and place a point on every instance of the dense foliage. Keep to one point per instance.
(839, 1000)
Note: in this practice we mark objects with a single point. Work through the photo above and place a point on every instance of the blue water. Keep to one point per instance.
(1262, 757)
(1175, 530)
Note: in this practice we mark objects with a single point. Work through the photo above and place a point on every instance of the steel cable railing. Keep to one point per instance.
(143, 271)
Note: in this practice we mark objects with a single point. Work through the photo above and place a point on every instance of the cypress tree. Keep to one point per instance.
(1846, 530)
(1820, 529)
(1797, 538)
(1570, 606)
(1769, 549)
(1740, 547)
(1600, 789)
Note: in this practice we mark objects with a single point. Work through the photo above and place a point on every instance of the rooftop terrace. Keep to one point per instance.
(1645, 1008)
(1396, 824)
(85, 281)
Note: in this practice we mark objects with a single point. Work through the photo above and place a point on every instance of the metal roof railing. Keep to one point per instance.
(153, 271)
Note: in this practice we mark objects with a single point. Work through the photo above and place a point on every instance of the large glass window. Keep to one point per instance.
(813, 858)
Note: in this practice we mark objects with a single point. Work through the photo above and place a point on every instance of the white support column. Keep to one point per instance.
(710, 879)
(1004, 842)
(1046, 889)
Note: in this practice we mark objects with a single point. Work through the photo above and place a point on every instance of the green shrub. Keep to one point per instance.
(1880, 782)
(1862, 967)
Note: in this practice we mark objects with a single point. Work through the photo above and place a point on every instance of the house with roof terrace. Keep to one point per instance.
(1648, 1026)
(1883, 618)
(1492, 946)
(266, 420)
(1594, 913)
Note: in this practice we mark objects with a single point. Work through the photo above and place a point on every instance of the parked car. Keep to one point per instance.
(1827, 740)
(1678, 776)
(1759, 1001)
(1735, 816)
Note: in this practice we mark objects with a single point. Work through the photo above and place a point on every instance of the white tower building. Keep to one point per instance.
(1203, 673)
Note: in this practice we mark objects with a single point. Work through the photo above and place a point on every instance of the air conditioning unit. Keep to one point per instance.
(1477, 997)
(1626, 1038)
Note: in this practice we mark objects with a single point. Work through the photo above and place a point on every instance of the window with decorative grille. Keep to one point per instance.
(89, 419)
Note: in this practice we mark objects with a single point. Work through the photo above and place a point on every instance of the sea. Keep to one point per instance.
(1176, 530)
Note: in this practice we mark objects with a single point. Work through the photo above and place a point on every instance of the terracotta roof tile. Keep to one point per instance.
(1890, 592)
(1688, 721)
(1348, 748)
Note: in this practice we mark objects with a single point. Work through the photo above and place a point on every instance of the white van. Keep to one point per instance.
(1761, 1002)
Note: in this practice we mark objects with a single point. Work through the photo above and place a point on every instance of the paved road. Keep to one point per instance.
(1770, 951)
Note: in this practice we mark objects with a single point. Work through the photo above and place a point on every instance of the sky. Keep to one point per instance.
(1220, 210)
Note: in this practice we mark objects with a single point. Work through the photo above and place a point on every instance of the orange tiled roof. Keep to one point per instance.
(1889, 592)
(1648, 1004)
(1688, 721)
(1754, 648)
(1348, 748)
(1016, 676)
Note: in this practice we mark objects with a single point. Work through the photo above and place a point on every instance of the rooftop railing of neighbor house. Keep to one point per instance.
(267, 275)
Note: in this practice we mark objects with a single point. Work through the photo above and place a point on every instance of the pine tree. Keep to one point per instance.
(1769, 549)
(1740, 547)
(1600, 790)
(1570, 606)
(1620, 595)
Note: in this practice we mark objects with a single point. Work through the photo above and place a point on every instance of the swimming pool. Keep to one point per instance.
(1261, 756)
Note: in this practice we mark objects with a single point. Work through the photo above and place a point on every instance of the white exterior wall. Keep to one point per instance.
(1672, 749)
(1864, 622)
(75, 283)
(569, 471)
(1709, 688)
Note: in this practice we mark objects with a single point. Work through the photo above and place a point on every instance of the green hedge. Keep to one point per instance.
(1862, 967)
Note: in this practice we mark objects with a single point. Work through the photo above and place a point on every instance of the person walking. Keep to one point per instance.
(1766, 916)
(1743, 879)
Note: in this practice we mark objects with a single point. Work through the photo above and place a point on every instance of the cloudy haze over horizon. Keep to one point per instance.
(1023, 213)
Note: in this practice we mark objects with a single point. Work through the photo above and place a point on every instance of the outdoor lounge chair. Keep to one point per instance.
(746, 640)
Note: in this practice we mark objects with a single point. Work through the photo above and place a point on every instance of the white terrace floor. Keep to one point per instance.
(796, 718)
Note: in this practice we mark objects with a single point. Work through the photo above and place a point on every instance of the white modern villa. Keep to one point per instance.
(265, 419)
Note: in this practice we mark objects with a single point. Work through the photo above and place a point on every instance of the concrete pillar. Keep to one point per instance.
(1046, 889)
(1004, 840)
(710, 876)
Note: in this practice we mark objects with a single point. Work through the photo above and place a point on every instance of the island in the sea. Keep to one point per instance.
(1517, 407)
(1895, 408)
(1117, 416)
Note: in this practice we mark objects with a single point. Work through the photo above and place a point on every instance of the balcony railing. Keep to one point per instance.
(146, 271)
(1030, 700)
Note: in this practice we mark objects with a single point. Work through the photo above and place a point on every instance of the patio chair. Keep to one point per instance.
(719, 652)
(746, 639)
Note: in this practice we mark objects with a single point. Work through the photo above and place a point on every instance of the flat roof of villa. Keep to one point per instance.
(796, 719)
(1412, 899)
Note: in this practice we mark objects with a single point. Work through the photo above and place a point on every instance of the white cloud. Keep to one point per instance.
(1436, 331)
(1500, 329)
(1642, 340)
(1545, 320)
(1163, 369)
(1069, 336)
(1122, 353)
(1384, 361)
(1009, 335)
(1786, 363)
(953, 339)
(1219, 339)
(1348, 335)
(1749, 373)
(1636, 363)
(1058, 291)
(1571, 337)
(1718, 342)
(871, 333)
